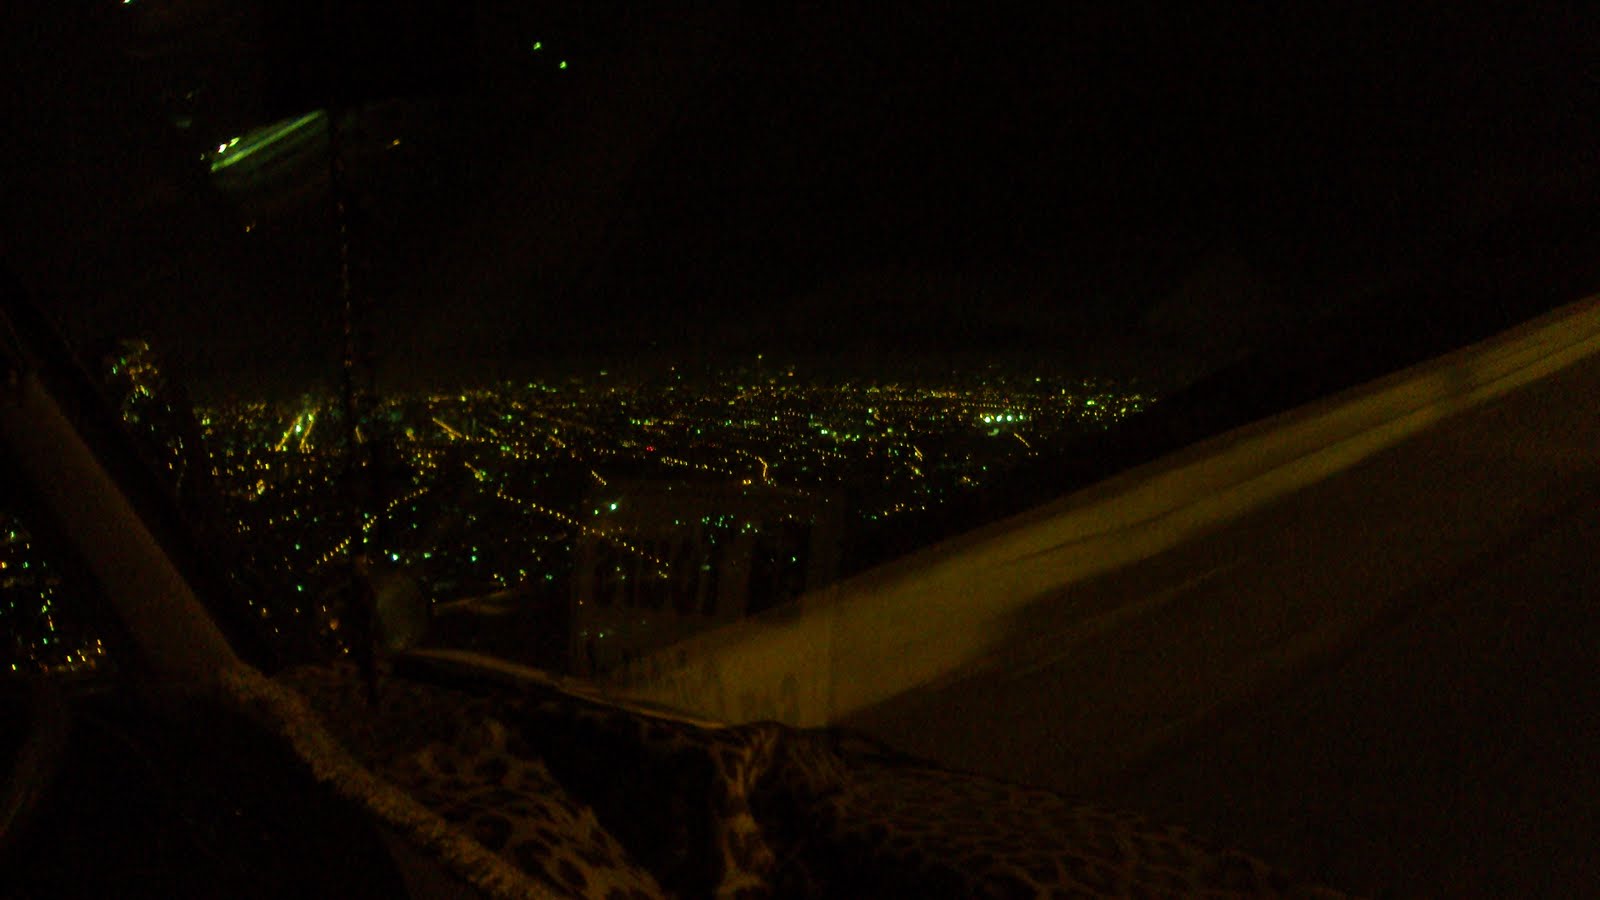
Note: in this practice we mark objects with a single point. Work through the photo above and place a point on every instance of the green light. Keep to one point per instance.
(261, 138)
(563, 64)
(537, 45)
(613, 506)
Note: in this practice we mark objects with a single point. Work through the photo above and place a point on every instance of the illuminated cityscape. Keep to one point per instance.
(491, 492)
(878, 449)
(40, 635)
(535, 502)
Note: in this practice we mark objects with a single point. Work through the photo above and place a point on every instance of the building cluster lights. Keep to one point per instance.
(493, 488)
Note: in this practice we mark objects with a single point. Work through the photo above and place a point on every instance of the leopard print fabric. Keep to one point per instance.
(565, 786)
(676, 794)
(600, 800)
(869, 821)
(449, 750)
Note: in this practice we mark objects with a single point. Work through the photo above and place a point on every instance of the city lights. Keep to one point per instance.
(497, 489)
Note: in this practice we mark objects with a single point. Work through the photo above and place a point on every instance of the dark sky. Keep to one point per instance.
(820, 178)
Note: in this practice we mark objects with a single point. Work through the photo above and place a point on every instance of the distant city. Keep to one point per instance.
(584, 518)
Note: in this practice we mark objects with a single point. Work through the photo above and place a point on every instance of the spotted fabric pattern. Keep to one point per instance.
(449, 750)
(870, 821)
(595, 799)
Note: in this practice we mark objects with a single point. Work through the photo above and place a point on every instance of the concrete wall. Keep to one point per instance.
(926, 617)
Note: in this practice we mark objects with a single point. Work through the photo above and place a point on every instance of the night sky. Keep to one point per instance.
(1101, 184)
